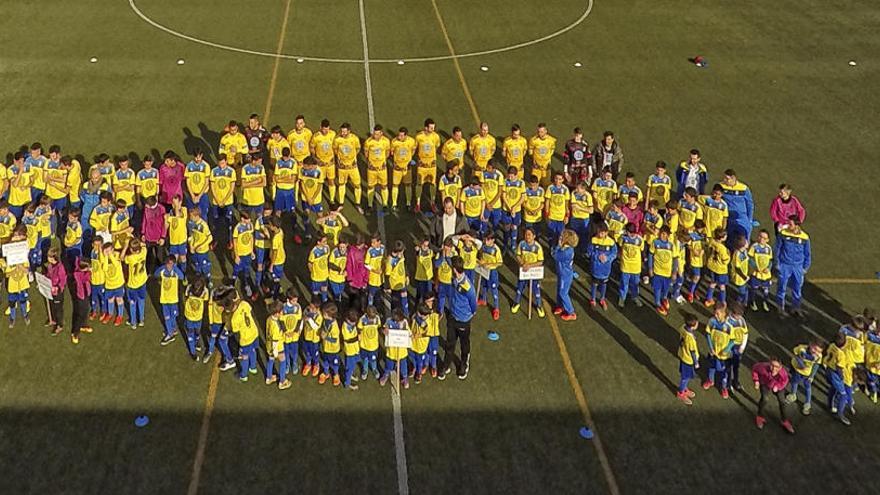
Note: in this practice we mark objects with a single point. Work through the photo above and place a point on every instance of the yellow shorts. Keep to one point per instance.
(377, 178)
(349, 176)
(400, 177)
(543, 174)
(329, 170)
(427, 174)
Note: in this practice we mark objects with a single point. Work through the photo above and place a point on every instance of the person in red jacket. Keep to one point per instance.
(784, 206)
(770, 377)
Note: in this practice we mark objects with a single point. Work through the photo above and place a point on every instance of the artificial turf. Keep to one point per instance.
(778, 103)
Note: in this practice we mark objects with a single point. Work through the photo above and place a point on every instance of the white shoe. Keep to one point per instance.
(680, 299)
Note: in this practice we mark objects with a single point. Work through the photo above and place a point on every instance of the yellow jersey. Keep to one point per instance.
(718, 259)
(54, 175)
(234, 146)
(242, 322)
(491, 184)
(515, 149)
(368, 333)
(222, 186)
(337, 264)
(285, 174)
(278, 254)
(427, 143)
(346, 150)
(581, 205)
(559, 198)
(322, 146)
(687, 347)
(395, 271)
(276, 148)
(196, 176)
(420, 326)
(147, 182)
(513, 191)
(17, 277)
(761, 261)
(449, 188)
(473, 200)
(376, 152)
(739, 268)
(312, 327)
(330, 337)
(299, 143)
(243, 239)
(113, 276)
(662, 257)
(274, 336)
(292, 317)
(137, 268)
(533, 206)
(424, 265)
(453, 151)
(402, 152)
(631, 249)
(318, 263)
(176, 226)
(169, 284)
(541, 149)
(350, 345)
(200, 236)
(252, 195)
(194, 307)
(604, 191)
(374, 263)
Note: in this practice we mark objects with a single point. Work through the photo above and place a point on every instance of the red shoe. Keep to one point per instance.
(569, 317)
(759, 422)
(481, 302)
(604, 304)
(322, 378)
(316, 370)
(255, 296)
(433, 373)
(418, 207)
(229, 246)
(786, 425)
(106, 318)
(496, 314)
(119, 321)
(307, 368)
(93, 315)
(665, 304)
(297, 239)
(725, 394)
(682, 396)
(662, 310)
(592, 303)
(336, 380)
(690, 393)
(709, 303)
(689, 297)
(707, 385)
(558, 310)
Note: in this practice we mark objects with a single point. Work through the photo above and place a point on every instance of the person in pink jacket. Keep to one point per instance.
(770, 377)
(784, 206)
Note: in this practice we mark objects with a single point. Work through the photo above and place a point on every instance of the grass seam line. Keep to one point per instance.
(199, 459)
(464, 85)
(279, 48)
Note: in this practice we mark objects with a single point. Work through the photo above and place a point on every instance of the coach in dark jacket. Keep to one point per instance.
(448, 223)
(607, 153)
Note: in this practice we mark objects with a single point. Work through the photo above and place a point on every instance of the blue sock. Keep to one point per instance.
(140, 307)
(404, 301)
(111, 307)
(710, 293)
(259, 278)
(132, 312)
(692, 287)
(120, 310)
(224, 348)
(212, 341)
(722, 295)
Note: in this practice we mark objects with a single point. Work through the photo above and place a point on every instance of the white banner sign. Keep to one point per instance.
(44, 285)
(534, 273)
(398, 338)
(15, 253)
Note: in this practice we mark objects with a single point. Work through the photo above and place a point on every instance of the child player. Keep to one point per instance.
(602, 253)
(739, 334)
(169, 276)
(318, 268)
(135, 257)
(529, 254)
(718, 263)
(314, 322)
(350, 347)
(292, 315)
(512, 199)
(114, 280)
(424, 268)
(275, 330)
(688, 358)
(421, 324)
(395, 357)
(374, 260)
(661, 265)
(368, 342)
(395, 273)
(330, 345)
(490, 259)
(632, 247)
(194, 314)
(805, 363)
(760, 265)
(718, 336)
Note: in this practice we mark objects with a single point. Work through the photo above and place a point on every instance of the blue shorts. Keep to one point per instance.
(113, 293)
(508, 218)
(260, 255)
(686, 370)
(719, 278)
(216, 328)
(318, 208)
(139, 293)
(284, 200)
(18, 297)
(192, 326)
(177, 250)
(759, 284)
(59, 204)
(277, 272)
(695, 271)
(318, 287)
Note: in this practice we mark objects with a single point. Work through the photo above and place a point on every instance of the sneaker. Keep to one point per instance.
(306, 369)
(227, 365)
(168, 339)
(540, 312)
(514, 309)
(316, 370)
(765, 307)
(592, 303)
(433, 373)
(270, 381)
(690, 393)
(359, 209)
(285, 385)
(621, 303)
(760, 421)
(85, 330)
(481, 302)
(806, 409)
(708, 384)
(141, 324)
(662, 311)
(679, 299)
(569, 317)
(442, 375)
(709, 303)
(786, 425)
(790, 398)
(604, 304)
(56, 331)
(27, 321)
(754, 305)
(376, 374)
(725, 394)
(74, 339)
(133, 326)
(833, 409)
(496, 314)
(322, 378)
(844, 420)
(406, 384)
(689, 297)
(207, 358)
(638, 302)
(874, 397)
(93, 315)
(297, 239)
(336, 380)
(852, 409)
(352, 386)
(418, 379)
(252, 371)
(105, 318)
(417, 208)
(737, 387)
(665, 304)
(383, 380)
(558, 310)
(682, 396)
(364, 376)
(243, 379)
(119, 321)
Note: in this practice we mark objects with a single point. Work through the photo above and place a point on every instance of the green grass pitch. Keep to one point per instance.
(779, 103)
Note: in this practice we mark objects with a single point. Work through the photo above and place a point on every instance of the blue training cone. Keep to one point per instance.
(586, 433)
(756, 223)
(141, 421)
(493, 336)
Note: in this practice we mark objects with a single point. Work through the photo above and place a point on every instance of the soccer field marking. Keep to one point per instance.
(461, 79)
(199, 458)
(844, 281)
(587, 11)
(280, 47)
(573, 380)
(399, 442)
